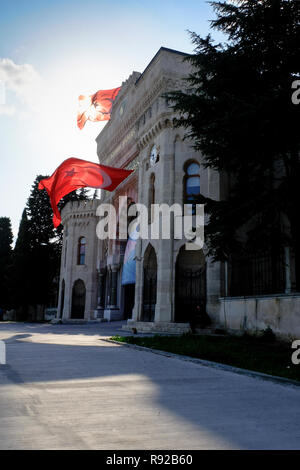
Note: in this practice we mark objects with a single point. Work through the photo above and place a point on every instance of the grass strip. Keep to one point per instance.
(247, 352)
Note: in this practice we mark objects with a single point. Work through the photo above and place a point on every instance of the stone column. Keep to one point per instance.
(287, 262)
(101, 288)
(213, 269)
(100, 293)
(114, 285)
(165, 287)
(142, 197)
(164, 304)
(138, 299)
(108, 302)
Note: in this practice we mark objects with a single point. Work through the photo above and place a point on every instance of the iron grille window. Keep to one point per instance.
(257, 274)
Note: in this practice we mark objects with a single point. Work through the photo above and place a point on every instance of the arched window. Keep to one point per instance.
(191, 183)
(149, 284)
(81, 250)
(190, 287)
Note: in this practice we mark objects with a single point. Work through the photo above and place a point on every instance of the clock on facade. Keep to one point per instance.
(153, 155)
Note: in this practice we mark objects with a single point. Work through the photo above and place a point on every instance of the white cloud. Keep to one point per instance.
(21, 79)
(48, 108)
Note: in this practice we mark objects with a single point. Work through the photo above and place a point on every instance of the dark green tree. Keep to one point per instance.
(21, 275)
(239, 113)
(39, 213)
(83, 194)
(6, 239)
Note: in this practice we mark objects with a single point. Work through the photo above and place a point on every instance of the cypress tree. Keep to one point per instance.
(6, 239)
(22, 269)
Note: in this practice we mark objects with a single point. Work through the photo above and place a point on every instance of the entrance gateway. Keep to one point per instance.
(78, 300)
(190, 287)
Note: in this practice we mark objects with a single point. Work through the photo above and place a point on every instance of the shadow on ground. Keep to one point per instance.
(139, 392)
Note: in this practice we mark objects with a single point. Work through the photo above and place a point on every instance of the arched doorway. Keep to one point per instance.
(150, 282)
(129, 292)
(78, 299)
(190, 286)
(62, 299)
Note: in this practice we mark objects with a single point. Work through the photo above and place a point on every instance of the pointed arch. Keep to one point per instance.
(78, 299)
(150, 284)
(190, 286)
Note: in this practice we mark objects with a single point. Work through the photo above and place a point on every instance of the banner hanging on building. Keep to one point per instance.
(128, 273)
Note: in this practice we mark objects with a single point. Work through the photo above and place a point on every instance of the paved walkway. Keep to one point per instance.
(65, 388)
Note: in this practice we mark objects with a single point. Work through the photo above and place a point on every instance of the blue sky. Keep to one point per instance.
(51, 51)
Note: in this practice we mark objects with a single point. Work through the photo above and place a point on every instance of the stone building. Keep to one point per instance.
(78, 272)
(173, 286)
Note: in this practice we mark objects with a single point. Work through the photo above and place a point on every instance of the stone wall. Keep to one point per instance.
(281, 313)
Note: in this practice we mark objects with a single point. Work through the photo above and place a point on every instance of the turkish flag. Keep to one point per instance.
(75, 173)
(96, 107)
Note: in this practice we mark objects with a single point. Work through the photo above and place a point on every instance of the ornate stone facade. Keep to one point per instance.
(175, 288)
(141, 120)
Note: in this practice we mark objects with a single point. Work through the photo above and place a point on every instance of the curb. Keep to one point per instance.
(211, 364)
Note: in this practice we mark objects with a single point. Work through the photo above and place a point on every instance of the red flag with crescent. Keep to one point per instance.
(96, 107)
(75, 173)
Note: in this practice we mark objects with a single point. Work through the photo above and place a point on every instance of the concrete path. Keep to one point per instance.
(65, 388)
